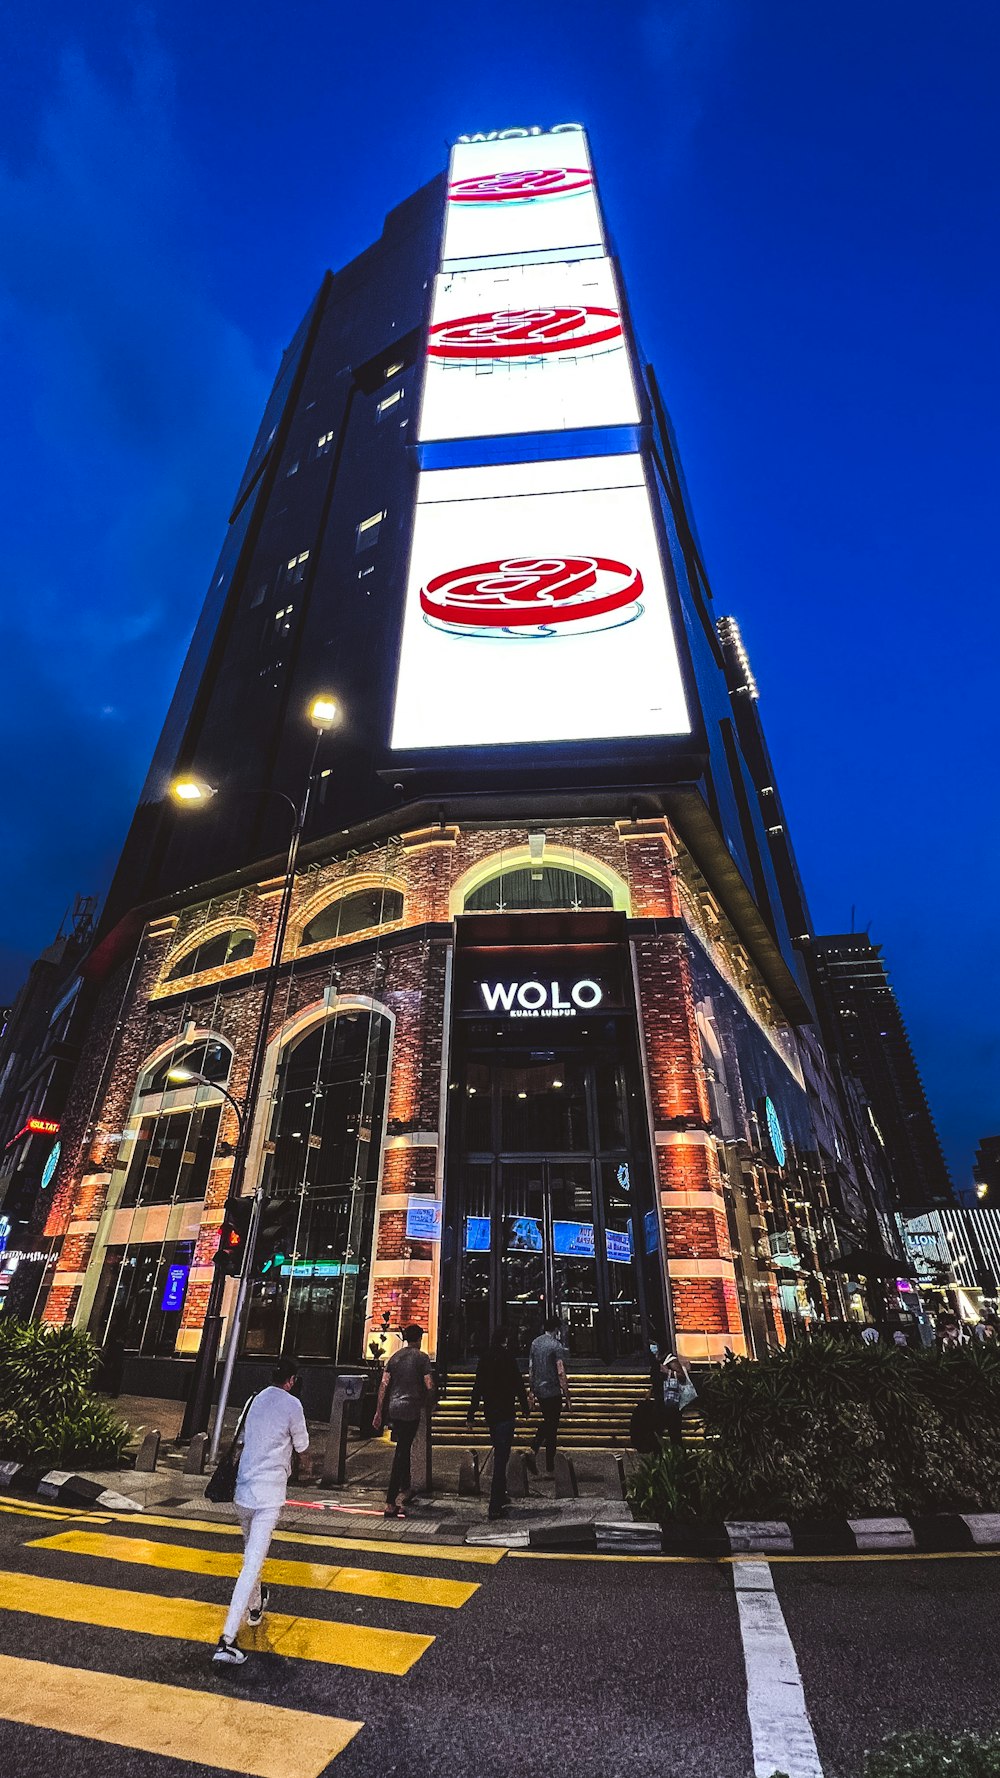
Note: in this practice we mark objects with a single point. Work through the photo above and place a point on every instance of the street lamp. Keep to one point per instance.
(192, 792)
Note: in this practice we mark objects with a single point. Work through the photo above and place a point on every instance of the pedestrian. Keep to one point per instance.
(499, 1385)
(900, 1340)
(549, 1385)
(870, 1336)
(274, 1427)
(678, 1391)
(408, 1380)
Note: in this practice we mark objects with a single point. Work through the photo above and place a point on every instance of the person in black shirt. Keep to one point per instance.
(499, 1385)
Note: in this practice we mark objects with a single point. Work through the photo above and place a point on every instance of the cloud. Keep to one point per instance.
(139, 399)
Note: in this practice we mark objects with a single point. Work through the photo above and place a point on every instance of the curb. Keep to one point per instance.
(65, 1487)
(931, 1534)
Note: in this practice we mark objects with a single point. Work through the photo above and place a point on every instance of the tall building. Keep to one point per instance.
(864, 1021)
(538, 1039)
(988, 1169)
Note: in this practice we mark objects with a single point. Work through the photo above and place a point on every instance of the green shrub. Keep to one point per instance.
(829, 1428)
(48, 1411)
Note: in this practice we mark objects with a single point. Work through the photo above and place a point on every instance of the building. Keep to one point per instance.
(541, 1040)
(988, 1169)
(956, 1257)
(39, 1049)
(858, 1008)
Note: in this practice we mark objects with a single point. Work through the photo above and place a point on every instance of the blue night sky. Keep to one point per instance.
(804, 199)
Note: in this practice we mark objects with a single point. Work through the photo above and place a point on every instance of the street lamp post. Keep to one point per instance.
(191, 791)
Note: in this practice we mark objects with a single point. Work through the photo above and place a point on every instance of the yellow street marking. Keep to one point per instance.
(149, 1614)
(485, 1555)
(207, 1728)
(370, 1583)
(35, 1510)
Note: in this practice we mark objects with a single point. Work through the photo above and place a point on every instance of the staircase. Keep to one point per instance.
(603, 1401)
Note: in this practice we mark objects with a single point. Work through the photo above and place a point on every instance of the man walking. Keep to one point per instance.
(499, 1386)
(549, 1385)
(408, 1380)
(275, 1426)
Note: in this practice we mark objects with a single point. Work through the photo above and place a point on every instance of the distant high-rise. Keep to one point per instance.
(865, 1023)
(988, 1168)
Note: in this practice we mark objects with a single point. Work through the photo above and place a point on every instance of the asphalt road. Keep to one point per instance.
(385, 1659)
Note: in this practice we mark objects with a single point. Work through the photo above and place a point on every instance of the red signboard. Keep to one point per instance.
(524, 333)
(520, 187)
(528, 591)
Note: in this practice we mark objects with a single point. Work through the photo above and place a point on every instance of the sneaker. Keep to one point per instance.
(228, 1654)
(254, 1617)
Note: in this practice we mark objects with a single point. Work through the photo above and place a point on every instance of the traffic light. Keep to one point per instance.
(233, 1237)
(275, 1236)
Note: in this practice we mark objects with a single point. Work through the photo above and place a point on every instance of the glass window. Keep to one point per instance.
(367, 532)
(389, 402)
(171, 1157)
(354, 913)
(209, 1057)
(140, 1296)
(222, 948)
(550, 887)
(325, 1146)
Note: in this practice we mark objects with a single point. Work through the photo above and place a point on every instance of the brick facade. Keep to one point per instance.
(403, 970)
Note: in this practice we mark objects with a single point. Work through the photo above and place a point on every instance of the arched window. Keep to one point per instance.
(323, 1162)
(524, 888)
(172, 1146)
(354, 913)
(223, 947)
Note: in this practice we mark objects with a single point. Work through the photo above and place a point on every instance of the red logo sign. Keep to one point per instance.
(529, 592)
(506, 188)
(524, 333)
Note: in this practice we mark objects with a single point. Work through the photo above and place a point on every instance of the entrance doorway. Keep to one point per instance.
(548, 1205)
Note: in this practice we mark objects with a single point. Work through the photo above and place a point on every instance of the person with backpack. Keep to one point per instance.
(273, 1427)
(408, 1381)
(678, 1393)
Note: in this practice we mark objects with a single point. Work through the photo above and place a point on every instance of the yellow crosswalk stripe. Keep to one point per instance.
(369, 1583)
(191, 1620)
(30, 1509)
(480, 1555)
(207, 1728)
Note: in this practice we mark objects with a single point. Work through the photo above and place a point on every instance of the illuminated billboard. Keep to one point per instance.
(536, 609)
(520, 196)
(535, 347)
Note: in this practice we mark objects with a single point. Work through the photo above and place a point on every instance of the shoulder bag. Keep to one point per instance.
(221, 1484)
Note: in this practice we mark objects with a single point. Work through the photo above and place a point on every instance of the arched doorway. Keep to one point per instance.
(322, 1157)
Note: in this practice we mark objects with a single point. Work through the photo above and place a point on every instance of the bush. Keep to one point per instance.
(833, 1429)
(48, 1411)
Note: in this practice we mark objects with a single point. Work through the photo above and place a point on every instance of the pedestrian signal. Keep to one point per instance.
(233, 1238)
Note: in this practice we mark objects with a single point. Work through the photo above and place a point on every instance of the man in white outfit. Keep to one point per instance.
(275, 1426)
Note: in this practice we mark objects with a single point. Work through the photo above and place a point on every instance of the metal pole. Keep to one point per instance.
(198, 1411)
(234, 1331)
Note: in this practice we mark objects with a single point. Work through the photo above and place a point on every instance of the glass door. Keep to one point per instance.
(524, 1251)
(574, 1293)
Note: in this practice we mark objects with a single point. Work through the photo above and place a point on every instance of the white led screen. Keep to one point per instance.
(526, 348)
(528, 195)
(536, 609)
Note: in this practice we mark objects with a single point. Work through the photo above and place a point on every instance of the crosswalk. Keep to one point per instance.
(369, 1608)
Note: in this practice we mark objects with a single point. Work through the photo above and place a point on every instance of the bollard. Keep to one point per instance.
(469, 1481)
(346, 1391)
(148, 1451)
(517, 1475)
(565, 1478)
(422, 1468)
(194, 1462)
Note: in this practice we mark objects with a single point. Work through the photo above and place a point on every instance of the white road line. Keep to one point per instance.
(783, 1740)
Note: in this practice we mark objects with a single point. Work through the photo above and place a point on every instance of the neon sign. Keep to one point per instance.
(35, 1126)
(541, 1000)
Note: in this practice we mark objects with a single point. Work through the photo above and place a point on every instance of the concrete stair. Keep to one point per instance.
(603, 1401)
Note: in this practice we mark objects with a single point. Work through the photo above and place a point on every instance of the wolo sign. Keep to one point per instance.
(542, 1000)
